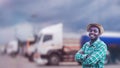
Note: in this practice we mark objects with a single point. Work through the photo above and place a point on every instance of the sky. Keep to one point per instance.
(33, 15)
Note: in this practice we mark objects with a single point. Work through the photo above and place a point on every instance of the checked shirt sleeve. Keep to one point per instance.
(79, 57)
(96, 55)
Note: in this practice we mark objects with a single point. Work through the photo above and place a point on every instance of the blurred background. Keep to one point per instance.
(21, 20)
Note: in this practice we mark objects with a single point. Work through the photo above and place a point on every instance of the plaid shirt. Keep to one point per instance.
(94, 55)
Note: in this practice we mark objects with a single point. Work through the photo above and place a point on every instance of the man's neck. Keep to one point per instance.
(93, 40)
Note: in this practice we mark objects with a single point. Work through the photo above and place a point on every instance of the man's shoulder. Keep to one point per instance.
(87, 43)
(102, 43)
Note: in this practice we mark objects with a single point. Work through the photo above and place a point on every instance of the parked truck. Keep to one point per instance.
(112, 39)
(52, 46)
(11, 48)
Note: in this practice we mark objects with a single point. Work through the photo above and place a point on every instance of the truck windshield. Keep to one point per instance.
(47, 38)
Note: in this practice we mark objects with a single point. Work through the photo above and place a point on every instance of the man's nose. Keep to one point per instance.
(92, 31)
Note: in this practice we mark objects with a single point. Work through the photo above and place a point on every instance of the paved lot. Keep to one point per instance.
(21, 62)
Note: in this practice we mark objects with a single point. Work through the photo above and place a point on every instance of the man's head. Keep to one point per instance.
(94, 30)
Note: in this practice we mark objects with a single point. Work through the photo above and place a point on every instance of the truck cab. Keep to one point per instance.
(48, 43)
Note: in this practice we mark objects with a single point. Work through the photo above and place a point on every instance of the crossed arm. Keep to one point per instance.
(88, 59)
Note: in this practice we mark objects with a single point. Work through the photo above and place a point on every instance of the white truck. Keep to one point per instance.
(52, 46)
(12, 48)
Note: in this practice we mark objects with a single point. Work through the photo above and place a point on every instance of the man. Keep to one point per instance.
(93, 52)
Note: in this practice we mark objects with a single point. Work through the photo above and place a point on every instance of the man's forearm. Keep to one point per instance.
(80, 57)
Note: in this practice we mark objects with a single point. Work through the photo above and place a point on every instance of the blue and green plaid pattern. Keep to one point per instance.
(93, 55)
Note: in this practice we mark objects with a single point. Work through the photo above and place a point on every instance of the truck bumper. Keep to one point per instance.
(39, 60)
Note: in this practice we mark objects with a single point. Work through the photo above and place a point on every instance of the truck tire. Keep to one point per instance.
(14, 54)
(54, 60)
(30, 58)
(107, 60)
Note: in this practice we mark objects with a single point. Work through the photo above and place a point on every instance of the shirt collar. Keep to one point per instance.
(94, 44)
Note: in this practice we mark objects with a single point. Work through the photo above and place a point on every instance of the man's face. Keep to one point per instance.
(94, 32)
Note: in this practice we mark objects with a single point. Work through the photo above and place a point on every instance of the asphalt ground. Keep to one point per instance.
(22, 62)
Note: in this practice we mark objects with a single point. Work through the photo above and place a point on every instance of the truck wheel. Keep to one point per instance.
(14, 54)
(54, 60)
(30, 58)
(107, 60)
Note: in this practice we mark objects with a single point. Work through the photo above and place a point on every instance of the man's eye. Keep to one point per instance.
(90, 30)
(95, 31)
